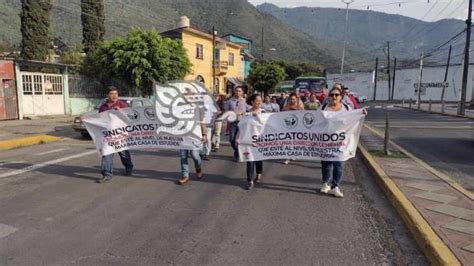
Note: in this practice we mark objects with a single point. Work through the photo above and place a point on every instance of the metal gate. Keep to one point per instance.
(9, 92)
(42, 94)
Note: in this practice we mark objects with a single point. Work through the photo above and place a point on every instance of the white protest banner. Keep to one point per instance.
(302, 135)
(173, 122)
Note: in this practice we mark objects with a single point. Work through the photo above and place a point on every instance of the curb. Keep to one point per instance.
(434, 112)
(27, 141)
(437, 173)
(431, 245)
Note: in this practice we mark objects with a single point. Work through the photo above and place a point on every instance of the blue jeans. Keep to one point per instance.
(185, 154)
(337, 170)
(234, 128)
(251, 167)
(107, 164)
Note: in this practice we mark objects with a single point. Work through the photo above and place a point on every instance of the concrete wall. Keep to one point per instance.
(406, 83)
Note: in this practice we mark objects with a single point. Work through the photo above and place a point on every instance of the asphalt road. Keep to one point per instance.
(444, 142)
(52, 213)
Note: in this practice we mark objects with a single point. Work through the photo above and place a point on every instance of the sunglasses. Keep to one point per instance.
(334, 94)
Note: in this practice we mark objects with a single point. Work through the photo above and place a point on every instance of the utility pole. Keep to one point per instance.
(445, 79)
(388, 71)
(418, 101)
(347, 2)
(465, 72)
(375, 76)
(214, 60)
(393, 78)
(263, 31)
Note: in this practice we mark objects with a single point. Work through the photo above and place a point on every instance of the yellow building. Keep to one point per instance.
(228, 64)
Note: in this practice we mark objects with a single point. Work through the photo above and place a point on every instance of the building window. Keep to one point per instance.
(231, 59)
(199, 51)
(200, 79)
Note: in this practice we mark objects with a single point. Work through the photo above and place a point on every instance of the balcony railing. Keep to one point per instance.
(221, 67)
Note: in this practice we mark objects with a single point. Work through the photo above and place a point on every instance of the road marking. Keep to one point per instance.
(48, 152)
(6, 230)
(41, 165)
(425, 127)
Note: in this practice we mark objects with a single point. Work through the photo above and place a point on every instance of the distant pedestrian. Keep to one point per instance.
(270, 107)
(195, 156)
(347, 93)
(254, 168)
(323, 95)
(312, 103)
(107, 164)
(282, 100)
(238, 105)
(292, 104)
(275, 105)
(217, 128)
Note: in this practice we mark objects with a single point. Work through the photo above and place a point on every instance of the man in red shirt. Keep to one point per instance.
(107, 164)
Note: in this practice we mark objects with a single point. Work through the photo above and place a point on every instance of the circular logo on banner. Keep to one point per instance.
(133, 116)
(308, 120)
(150, 113)
(291, 121)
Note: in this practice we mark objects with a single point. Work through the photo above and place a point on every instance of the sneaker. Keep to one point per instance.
(199, 174)
(128, 172)
(325, 188)
(103, 179)
(183, 180)
(249, 184)
(286, 161)
(205, 157)
(258, 178)
(337, 192)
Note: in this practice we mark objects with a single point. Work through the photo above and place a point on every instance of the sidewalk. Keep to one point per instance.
(16, 133)
(437, 210)
(449, 109)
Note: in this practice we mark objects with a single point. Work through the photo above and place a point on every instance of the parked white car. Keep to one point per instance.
(78, 126)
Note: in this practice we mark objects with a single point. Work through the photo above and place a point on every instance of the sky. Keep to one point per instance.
(427, 10)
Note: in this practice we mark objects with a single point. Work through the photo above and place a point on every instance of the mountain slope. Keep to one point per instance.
(236, 16)
(369, 30)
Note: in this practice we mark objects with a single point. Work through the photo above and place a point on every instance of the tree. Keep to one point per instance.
(93, 24)
(139, 59)
(265, 76)
(35, 23)
(312, 69)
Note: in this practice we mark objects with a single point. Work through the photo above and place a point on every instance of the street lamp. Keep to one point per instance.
(347, 2)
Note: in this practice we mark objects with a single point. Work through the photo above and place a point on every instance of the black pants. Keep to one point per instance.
(251, 166)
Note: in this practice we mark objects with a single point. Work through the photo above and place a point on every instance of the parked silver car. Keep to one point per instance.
(78, 126)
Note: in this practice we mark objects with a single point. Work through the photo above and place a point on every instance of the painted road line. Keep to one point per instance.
(424, 127)
(41, 165)
(450, 181)
(48, 152)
